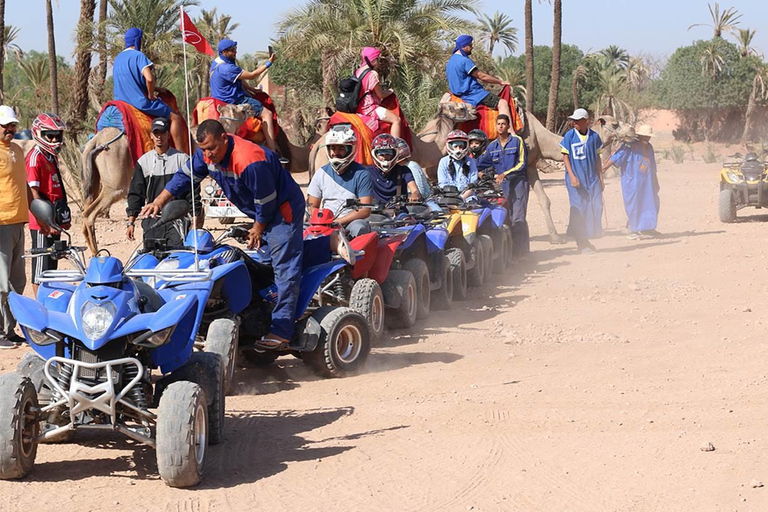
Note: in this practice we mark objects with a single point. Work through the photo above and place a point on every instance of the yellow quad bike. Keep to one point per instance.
(466, 249)
(742, 184)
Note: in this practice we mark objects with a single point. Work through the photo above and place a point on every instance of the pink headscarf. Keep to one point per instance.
(370, 53)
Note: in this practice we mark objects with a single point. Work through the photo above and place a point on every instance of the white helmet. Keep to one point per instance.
(457, 144)
(341, 135)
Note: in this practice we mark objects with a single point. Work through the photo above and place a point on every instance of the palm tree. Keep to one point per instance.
(52, 69)
(744, 38)
(413, 31)
(614, 57)
(83, 61)
(159, 19)
(11, 33)
(101, 70)
(578, 77)
(35, 70)
(759, 92)
(529, 54)
(554, 85)
(725, 21)
(637, 73)
(2, 45)
(712, 59)
(498, 29)
(613, 85)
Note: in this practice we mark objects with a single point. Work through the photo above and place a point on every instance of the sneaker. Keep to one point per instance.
(588, 250)
(633, 235)
(652, 233)
(18, 340)
(7, 343)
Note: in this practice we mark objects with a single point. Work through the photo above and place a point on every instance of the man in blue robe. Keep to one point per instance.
(463, 76)
(134, 83)
(583, 178)
(639, 183)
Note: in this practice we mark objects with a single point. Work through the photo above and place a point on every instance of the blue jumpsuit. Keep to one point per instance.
(253, 179)
(512, 161)
(639, 185)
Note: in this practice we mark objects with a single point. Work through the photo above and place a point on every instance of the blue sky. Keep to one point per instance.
(655, 27)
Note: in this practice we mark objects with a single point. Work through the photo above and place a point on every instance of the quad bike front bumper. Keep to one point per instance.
(96, 387)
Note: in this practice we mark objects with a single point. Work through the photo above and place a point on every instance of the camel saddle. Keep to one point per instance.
(486, 117)
(134, 123)
(208, 108)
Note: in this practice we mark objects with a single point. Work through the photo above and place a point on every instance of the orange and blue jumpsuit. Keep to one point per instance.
(253, 180)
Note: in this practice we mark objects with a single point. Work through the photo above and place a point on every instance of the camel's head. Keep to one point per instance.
(322, 120)
(610, 129)
(233, 116)
(457, 112)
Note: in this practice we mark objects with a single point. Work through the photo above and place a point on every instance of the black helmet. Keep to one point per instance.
(478, 135)
(750, 157)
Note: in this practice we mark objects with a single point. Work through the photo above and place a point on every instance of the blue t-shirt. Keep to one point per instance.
(225, 83)
(335, 189)
(461, 82)
(130, 86)
(385, 185)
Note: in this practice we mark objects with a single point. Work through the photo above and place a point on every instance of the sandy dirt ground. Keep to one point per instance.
(574, 383)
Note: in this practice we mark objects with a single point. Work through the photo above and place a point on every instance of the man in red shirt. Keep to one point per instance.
(44, 180)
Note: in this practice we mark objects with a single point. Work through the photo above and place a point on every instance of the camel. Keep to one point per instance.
(108, 167)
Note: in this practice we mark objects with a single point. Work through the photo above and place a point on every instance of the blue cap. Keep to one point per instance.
(133, 37)
(226, 44)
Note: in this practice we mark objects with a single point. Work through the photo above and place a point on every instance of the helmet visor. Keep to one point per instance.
(52, 135)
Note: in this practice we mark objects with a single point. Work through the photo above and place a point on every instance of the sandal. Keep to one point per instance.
(270, 344)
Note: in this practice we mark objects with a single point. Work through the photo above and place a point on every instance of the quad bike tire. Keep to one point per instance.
(443, 296)
(726, 206)
(458, 273)
(401, 283)
(420, 271)
(500, 261)
(32, 366)
(476, 275)
(182, 434)
(510, 246)
(488, 255)
(344, 344)
(207, 371)
(18, 401)
(366, 298)
(222, 338)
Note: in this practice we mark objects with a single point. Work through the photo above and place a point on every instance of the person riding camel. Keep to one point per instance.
(341, 179)
(389, 175)
(369, 107)
(463, 76)
(134, 83)
(457, 168)
(228, 84)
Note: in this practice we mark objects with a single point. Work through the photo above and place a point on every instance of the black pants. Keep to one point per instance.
(42, 263)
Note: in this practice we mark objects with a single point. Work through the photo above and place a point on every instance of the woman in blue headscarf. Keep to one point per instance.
(134, 83)
(463, 76)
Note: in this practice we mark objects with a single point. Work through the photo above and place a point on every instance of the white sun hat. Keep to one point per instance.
(7, 115)
(579, 114)
(644, 130)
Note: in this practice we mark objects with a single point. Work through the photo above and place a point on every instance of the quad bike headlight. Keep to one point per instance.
(150, 339)
(97, 319)
(736, 178)
(209, 190)
(46, 337)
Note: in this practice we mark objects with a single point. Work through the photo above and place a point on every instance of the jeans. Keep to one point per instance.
(12, 275)
(256, 104)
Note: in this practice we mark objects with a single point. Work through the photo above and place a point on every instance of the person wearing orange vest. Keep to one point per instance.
(254, 181)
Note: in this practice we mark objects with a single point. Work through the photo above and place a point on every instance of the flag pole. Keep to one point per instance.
(189, 135)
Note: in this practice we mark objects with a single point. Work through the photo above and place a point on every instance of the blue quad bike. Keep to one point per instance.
(113, 353)
(333, 341)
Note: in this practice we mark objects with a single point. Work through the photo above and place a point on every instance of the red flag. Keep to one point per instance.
(191, 35)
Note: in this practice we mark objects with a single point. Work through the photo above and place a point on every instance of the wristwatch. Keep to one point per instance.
(129, 223)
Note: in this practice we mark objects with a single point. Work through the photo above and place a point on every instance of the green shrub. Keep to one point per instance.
(677, 153)
(710, 156)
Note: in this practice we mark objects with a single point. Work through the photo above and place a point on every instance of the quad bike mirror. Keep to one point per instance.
(43, 210)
